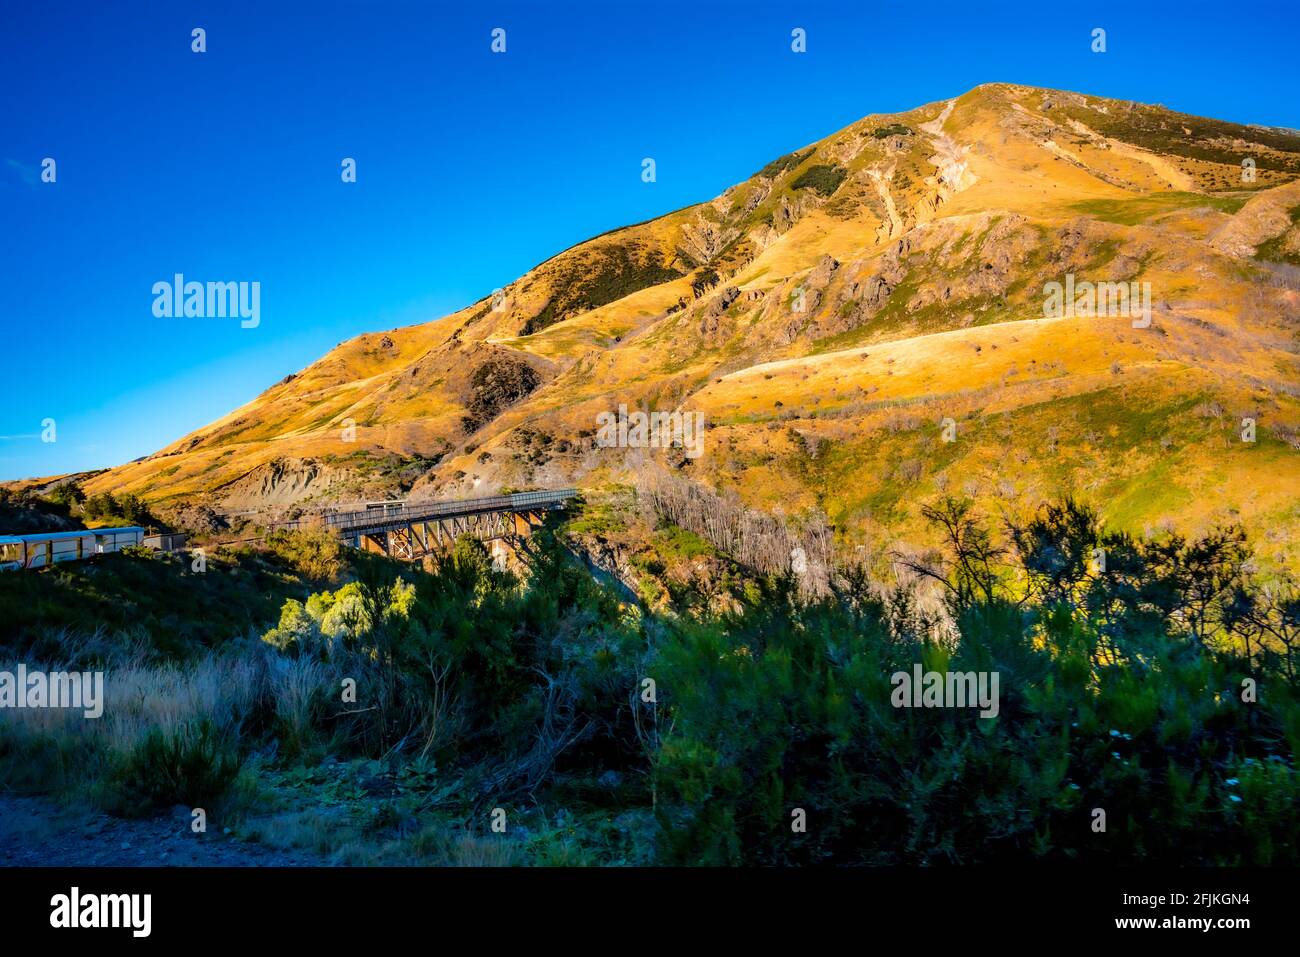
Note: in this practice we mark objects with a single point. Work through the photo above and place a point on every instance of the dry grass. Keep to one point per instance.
(217, 691)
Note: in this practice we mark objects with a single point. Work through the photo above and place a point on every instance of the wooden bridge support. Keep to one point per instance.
(417, 540)
(524, 522)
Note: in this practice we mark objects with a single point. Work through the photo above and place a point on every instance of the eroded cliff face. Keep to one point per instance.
(281, 482)
(1269, 216)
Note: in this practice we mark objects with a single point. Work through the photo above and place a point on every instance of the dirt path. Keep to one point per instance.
(37, 832)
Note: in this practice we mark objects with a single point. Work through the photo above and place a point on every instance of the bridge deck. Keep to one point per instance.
(381, 519)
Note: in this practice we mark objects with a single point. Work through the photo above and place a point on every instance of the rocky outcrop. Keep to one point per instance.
(495, 385)
(712, 313)
(704, 241)
(198, 519)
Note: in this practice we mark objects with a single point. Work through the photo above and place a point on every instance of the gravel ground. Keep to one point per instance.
(37, 832)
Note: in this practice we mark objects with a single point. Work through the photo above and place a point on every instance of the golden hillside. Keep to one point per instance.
(829, 313)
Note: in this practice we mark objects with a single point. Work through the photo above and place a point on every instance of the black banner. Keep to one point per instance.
(335, 906)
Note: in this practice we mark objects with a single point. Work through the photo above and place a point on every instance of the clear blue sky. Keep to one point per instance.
(472, 167)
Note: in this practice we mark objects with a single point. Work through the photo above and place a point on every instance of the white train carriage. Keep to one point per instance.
(43, 549)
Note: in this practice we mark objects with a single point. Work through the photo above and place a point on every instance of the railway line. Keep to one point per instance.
(397, 528)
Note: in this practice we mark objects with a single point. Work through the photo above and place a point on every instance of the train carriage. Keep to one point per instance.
(42, 549)
(115, 539)
(13, 552)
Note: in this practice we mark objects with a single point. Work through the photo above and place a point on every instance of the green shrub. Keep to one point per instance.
(36, 763)
(192, 767)
(600, 274)
(825, 179)
(67, 493)
(314, 551)
(127, 509)
(782, 163)
(1118, 692)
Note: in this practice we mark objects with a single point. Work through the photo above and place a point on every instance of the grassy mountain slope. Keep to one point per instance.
(827, 313)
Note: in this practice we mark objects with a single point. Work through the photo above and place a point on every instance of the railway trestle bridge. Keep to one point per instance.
(413, 531)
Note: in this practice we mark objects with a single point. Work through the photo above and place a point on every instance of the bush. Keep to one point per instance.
(192, 767)
(67, 493)
(126, 510)
(1118, 691)
(825, 179)
(314, 551)
(100, 505)
(783, 163)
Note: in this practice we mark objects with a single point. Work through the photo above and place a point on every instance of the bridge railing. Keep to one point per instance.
(427, 511)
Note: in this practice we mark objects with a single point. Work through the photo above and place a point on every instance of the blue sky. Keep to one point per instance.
(472, 167)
